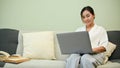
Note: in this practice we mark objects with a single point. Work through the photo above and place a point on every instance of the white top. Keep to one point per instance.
(98, 35)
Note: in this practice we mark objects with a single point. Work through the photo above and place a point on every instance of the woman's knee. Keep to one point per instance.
(88, 58)
(73, 56)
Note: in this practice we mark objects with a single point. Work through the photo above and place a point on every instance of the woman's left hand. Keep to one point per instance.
(98, 49)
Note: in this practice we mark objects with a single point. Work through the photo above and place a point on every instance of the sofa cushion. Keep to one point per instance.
(110, 64)
(38, 64)
(39, 45)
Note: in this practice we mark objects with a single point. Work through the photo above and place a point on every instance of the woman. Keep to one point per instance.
(99, 41)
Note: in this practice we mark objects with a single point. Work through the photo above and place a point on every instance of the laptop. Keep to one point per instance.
(74, 42)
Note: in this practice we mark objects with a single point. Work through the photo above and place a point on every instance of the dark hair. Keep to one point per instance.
(88, 8)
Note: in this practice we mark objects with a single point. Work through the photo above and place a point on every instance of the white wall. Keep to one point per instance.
(57, 15)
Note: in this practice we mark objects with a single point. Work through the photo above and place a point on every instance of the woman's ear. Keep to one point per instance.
(94, 16)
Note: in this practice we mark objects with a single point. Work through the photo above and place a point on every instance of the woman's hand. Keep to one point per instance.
(99, 49)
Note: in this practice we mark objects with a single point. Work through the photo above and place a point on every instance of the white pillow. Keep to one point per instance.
(109, 49)
(39, 45)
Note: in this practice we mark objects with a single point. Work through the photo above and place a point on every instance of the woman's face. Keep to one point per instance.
(87, 18)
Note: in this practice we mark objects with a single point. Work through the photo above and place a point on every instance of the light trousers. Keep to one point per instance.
(86, 60)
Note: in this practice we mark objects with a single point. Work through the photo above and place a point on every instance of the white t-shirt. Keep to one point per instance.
(98, 36)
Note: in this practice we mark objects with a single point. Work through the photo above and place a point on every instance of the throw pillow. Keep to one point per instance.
(39, 45)
(109, 49)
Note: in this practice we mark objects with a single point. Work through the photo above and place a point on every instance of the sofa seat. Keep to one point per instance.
(38, 64)
(110, 64)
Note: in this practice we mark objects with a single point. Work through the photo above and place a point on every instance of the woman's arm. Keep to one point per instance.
(103, 41)
(99, 49)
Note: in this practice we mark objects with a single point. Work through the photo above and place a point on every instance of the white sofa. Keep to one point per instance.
(59, 62)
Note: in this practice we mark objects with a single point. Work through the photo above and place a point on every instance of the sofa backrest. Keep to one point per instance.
(114, 37)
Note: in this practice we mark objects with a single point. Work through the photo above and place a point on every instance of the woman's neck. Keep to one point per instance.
(88, 28)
